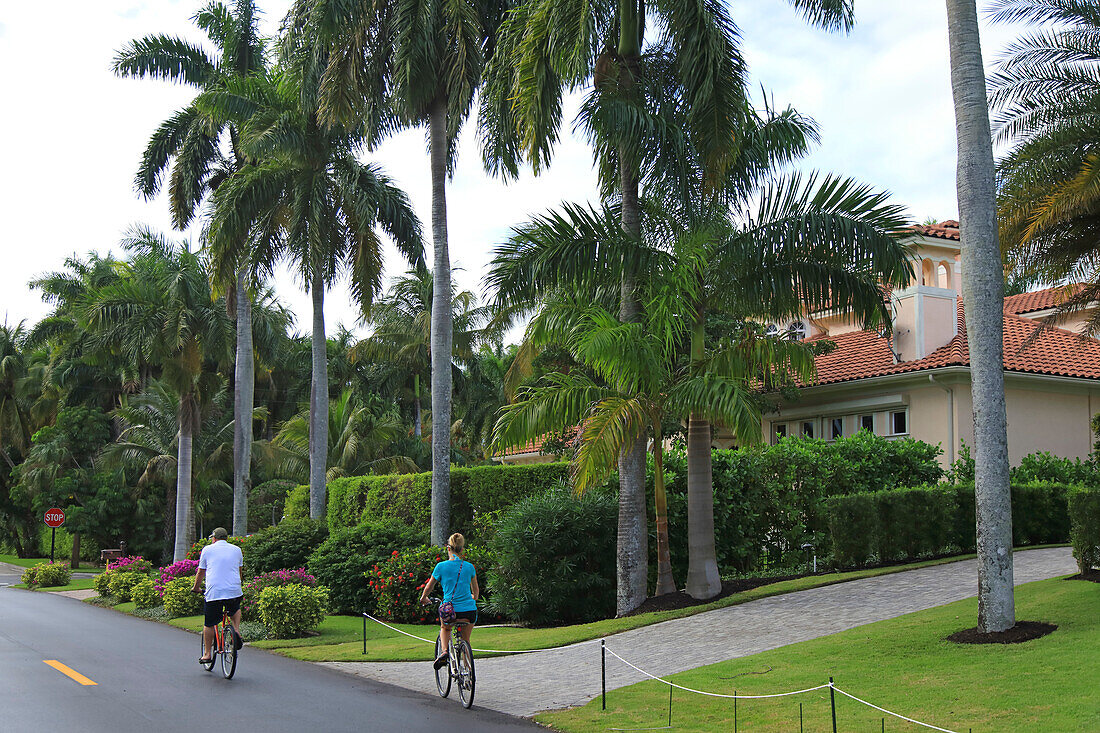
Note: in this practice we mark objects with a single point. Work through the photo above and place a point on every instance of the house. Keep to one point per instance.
(915, 380)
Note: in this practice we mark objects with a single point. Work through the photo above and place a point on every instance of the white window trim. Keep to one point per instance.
(890, 422)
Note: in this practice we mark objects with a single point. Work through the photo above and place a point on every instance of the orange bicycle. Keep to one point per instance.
(223, 647)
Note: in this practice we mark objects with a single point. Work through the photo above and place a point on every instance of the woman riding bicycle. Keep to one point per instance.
(458, 579)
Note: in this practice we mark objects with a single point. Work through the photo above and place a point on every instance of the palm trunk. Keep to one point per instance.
(983, 294)
(183, 484)
(418, 427)
(74, 556)
(318, 405)
(244, 386)
(665, 582)
(441, 328)
(703, 580)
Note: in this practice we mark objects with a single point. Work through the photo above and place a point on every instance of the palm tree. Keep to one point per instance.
(307, 197)
(983, 292)
(549, 46)
(199, 160)
(390, 65)
(1047, 96)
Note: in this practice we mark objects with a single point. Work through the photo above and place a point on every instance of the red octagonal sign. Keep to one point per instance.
(54, 517)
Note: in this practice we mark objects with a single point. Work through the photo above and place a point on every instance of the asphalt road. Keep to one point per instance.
(148, 679)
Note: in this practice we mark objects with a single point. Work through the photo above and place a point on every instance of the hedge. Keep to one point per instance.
(474, 492)
(906, 524)
(1084, 512)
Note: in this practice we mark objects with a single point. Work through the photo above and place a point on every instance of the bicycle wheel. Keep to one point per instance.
(465, 673)
(229, 654)
(442, 675)
(208, 666)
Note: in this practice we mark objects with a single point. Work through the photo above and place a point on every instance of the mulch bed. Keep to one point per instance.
(680, 599)
(1092, 575)
(1022, 631)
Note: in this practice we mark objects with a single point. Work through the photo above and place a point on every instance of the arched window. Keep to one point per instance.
(943, 275)
(928, 275)
(796, 331)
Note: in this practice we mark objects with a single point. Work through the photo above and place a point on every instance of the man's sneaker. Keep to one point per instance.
(441, 660)
(238, 642)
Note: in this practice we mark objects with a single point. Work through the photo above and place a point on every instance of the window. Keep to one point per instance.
(837, 428)
(899, 423)
(771, 331)
(780, 431)
(867, 422)
(796, 331)
(807, 430)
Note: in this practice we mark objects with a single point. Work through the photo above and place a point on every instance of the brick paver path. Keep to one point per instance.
(525, 684)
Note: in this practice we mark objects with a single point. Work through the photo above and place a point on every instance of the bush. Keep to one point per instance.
(555, 559)
(144, 594)
(178, 598)
(296, 505)
(1084, 511)
(1045, 466)
(266, 503)
(177, 569)
(341, 562)
(102, 583)
(121, 584)
(47, 575)
(853, 528)
(1040, 515)
(131, 564)
(196, 549)
(253, 588)
(289, 611)
(398, 581)
(286, 545)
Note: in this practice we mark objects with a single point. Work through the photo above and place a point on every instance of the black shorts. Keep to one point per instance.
(468, 616)
(212, 610)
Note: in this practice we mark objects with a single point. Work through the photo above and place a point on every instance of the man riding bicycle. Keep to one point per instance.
(222, 566)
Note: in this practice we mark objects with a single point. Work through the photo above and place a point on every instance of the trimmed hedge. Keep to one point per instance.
(286, 545)
(1084, 512)
(289, 611)
(407, 497)
(906, 524)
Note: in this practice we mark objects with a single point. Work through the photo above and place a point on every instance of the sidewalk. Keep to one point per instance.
(524, 684)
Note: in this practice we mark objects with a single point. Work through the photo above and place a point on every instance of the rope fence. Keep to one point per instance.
(483, 651)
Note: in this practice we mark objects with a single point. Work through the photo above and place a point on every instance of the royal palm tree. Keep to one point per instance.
(200, 155)
(307, 198)
(390, 65)
(983, 293)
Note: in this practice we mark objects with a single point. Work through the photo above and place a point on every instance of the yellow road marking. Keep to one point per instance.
(68, 672)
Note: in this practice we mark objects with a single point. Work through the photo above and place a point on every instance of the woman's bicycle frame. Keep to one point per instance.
(223, 647)
(460, 663)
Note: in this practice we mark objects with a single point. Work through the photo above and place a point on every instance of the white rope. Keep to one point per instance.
(715, 694)
(482, 651)
(884, 710)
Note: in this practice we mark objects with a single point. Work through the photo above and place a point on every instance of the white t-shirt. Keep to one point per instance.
(222, 563)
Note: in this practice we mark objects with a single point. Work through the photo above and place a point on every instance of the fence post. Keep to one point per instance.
(670, 706)
(364, 634)
(735, 711)
(832, 702)
(800, 718)
(603, 676)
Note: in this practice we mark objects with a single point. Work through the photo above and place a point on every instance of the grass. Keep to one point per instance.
(76, 584)
(1042, 686)
(26, 562)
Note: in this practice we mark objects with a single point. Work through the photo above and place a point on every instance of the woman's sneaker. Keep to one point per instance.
(441, 660)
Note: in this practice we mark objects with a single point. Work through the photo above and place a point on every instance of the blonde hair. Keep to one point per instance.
(456, 543)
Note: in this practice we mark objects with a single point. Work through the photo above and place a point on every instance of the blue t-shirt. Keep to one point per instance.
(454, 578)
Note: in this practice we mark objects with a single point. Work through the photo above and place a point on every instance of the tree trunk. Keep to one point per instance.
(418, 427)
(983, 294)
(74, 556)
(665, 582)
(244, 386)
(703, 580)
(183, 485)
(318, 405)
(441, 328)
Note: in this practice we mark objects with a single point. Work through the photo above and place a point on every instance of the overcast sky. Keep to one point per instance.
(72, 134)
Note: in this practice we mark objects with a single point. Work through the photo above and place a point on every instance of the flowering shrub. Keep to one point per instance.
(47, 575)
(136, 566)
(175, 570)
(398, 581)
(144, 594)
(102, 583)
(178, 598)
(291, 610)
(196, 549)
(274, 579)
(121, 584)
(132, 564)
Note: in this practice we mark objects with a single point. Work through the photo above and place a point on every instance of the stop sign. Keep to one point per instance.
(54, 517)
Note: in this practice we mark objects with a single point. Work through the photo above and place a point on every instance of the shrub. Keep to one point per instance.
(196, 549)
(266, 503)
(342, 561)
(296, 505)
(178, 569)
(131, 564)
(853, 528)
(47, 575)
(274, 579)
(178, 598)
(144, 594)
(289, 611)
(398, 581)
(1045, 466)
(1039, 513)
(286, 545)
(555, 559)
(121, 584)
(102, 583)
(1084, 511)
(913, 522)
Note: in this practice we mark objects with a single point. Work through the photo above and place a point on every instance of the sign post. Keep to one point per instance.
(54, 518)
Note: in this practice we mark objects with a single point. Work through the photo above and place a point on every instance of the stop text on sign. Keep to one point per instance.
(54, 517)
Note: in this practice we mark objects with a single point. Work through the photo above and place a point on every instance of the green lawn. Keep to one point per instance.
(26, 562)
(76, 584)
(903, 664)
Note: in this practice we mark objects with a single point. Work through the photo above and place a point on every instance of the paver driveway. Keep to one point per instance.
(525, 684)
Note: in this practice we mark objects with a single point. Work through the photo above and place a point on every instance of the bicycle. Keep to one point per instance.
(223, 646)
(460, 664)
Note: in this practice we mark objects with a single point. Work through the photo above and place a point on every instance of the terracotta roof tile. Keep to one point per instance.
(948, 229)
(1039, 300)
(535, 446)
